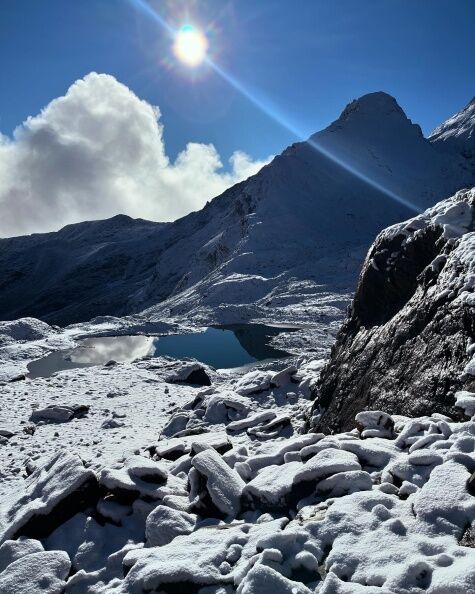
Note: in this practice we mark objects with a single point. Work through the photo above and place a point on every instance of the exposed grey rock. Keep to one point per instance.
(403, 347)
(59, 413)
(6, 433)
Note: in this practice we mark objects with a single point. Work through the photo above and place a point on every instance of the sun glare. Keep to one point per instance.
(190, 45)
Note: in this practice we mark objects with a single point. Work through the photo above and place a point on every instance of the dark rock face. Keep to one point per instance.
(404, 344)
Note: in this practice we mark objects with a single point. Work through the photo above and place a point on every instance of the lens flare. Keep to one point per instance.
(190, 46)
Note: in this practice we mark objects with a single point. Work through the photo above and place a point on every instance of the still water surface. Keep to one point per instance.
(220, 346)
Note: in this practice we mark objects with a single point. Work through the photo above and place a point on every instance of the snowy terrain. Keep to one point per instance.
(165, 487)
(301, 226)
(129, 478)
(117, 479)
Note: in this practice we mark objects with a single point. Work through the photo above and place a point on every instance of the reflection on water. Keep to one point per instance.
(221, 347)
(98, 351)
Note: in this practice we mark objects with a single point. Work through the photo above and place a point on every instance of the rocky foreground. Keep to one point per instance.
(232, 499)
(165, 476)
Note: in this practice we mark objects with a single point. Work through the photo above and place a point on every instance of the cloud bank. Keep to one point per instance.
(99, 151)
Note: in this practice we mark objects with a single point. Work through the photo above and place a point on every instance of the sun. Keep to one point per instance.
(190, 46)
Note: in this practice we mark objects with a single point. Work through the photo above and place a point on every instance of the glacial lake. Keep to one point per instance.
(222, 347)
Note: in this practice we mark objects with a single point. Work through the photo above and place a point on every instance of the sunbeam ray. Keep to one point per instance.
(264, 106)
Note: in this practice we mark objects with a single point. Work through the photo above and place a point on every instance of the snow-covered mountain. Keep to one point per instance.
(301, 225)
(457, 134)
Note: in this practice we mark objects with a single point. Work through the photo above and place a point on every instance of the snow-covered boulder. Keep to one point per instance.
(172, 449)
(138, 476)
(45, 572)
(223, 484)
(253, 382)
(186, 562)
(284, 377)
(466, 401)
(11, 550)
(58, 413)
(189, 373)
(225, 408)
(53, 493)
(164, 524)
(374, 423)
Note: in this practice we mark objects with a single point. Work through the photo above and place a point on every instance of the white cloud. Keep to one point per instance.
(99, 151)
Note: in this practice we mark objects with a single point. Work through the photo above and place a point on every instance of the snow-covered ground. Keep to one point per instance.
(131, 483)
(384, 506)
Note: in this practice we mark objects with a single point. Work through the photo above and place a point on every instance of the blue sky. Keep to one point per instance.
(303, 59)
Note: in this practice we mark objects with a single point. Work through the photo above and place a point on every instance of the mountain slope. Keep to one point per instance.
(411, 328)
(307, 216)
(457, 134)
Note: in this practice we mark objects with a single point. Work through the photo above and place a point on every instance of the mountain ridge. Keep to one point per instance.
(305, 215)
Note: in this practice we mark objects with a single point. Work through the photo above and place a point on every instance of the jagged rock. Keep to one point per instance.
(58, 413)
(404, 345)
(52, 494)
(468, 537)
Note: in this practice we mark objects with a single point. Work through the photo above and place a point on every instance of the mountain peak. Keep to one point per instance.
(376, 104)
(373, 115)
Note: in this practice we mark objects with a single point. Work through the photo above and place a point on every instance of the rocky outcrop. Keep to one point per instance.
(407, 337)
